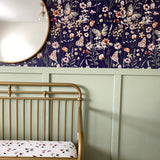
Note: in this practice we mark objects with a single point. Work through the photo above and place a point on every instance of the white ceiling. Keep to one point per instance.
(20, 10)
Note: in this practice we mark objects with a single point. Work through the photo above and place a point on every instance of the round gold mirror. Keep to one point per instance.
(24, 27)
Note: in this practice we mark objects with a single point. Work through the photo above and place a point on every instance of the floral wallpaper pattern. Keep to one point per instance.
(101, 34)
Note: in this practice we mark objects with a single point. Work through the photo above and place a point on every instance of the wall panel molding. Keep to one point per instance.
(106, 90)
(116, 116)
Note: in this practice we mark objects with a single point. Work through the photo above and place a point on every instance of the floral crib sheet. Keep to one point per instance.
(21, 148)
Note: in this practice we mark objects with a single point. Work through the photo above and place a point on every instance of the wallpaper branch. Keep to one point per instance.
(101, 34)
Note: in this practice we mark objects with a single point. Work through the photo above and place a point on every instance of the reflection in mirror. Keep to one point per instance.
(24, 26)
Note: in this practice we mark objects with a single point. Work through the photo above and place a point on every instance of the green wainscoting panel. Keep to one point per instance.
(21, 77)
(97, 110)
(140, 118)
(121, 108)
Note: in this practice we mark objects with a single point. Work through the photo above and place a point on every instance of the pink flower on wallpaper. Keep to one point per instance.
(65, 59)
(55, 45)
(127, 60)
(86, 28)
(83, 5)
(117, 46)
(105, 9)
(92, 12)
(146, 7)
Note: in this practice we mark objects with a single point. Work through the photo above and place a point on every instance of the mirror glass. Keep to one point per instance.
(24, 27)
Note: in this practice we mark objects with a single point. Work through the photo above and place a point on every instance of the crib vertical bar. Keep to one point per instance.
(24, 119)
(65, 119)
(9, 94)
(44, 93)
(17, 119)
(10, 123)
(31, 119)
(51, 131)
(58, 119)
(72, 122)
(2, 119)
(44, 119)
(38, 119)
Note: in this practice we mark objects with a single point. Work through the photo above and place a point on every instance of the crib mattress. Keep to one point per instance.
(18, 148)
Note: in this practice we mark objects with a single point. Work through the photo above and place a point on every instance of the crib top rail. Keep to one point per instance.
(10, 91)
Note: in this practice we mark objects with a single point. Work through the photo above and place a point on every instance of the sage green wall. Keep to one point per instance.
(120, 108)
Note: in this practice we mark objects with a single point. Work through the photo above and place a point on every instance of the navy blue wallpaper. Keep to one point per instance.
(101, 34)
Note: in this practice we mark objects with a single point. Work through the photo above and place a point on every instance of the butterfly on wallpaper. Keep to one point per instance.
(80, 42)
(147, 20)
(100, 33)
(99, 45)
(142, 43)
(130, 13)
(157, 32)
(68, 12)
(114, 57)
(84, 18)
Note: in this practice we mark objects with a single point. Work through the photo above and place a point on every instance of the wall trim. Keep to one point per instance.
(88, 71)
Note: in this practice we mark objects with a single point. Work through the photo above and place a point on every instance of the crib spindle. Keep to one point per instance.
(31, 119)
(10, 123)
(17, 119)
(58, 119)
(65, 119)
(72, 121)
(2, 118)
(51, 130)
(37, 119)
(44, 116)
(24, 119)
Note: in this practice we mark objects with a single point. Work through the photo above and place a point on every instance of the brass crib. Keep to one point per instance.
(27, 112)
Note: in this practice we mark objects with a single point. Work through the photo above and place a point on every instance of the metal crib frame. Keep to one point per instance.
(47, 96)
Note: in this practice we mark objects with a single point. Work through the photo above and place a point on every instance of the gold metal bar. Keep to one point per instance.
(38, 92)
(10, 125)
(72, 121)
(51, 131)
(38, 119)
(10, 119)
(39, 98)
(44, 115)
(58, 119)
(65, 119)
(39, 84)
(23, 119)
(30, 119)
(44, 119)
(2, 119)
(80, 132)
(17, 119)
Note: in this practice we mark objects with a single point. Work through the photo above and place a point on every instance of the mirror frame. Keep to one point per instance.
(14, 62)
